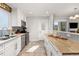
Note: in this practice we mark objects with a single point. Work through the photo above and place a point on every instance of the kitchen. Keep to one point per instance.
(38, 29)
(12, 32)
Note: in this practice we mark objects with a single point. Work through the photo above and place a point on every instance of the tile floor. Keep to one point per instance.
(35, 48)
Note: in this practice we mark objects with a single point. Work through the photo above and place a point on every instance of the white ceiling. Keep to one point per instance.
(45, 9)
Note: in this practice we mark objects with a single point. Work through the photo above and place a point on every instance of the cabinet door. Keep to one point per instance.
(10, 48)
(48, 47)
(54, 50)
(51, 48)
(14, 17)
(2, 50)
(18, 45)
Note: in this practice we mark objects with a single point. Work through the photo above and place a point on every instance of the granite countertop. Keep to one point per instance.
(65, 46)
(11, 38)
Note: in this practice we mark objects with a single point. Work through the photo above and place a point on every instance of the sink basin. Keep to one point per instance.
(4, 38)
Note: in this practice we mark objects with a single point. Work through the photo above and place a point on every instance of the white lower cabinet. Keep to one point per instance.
(51, 48)
(13, 47)
(54, 50)
(47, 48)
(2, 50)
(18, 45)
(10, 49)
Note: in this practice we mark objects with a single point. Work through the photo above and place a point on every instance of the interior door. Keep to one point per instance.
(34, 30)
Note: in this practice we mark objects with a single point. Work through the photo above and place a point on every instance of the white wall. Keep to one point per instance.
(36, 26)
(51, 20)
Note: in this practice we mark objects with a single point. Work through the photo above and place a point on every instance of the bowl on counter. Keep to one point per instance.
(61, 37)
(58, 37)
(55, 36)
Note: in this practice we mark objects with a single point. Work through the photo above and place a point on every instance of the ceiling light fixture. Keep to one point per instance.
(71, 17)
(76, 16)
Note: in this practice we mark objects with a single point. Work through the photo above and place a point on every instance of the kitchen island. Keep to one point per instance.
(61, 46)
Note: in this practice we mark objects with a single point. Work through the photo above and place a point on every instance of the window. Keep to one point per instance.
(55, 27)
(4, 18)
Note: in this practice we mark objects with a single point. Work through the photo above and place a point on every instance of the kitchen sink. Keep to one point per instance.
(4, 38)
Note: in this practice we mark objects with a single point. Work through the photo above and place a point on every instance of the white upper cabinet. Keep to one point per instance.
(16, 17)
